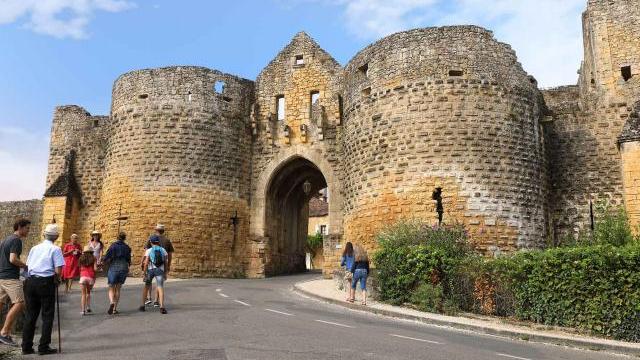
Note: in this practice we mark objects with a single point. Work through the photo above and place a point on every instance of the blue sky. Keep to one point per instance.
(57, 52)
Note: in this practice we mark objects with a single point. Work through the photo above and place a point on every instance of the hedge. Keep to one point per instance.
(595, 288)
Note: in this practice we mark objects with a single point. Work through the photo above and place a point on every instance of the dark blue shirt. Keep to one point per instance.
(118, 252)
(360, 265)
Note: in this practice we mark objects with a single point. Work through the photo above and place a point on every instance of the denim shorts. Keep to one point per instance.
(360, 274)
(115, 277)
(157, 274)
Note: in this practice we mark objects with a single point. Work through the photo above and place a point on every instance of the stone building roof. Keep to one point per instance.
(631, 130)
(318, 206)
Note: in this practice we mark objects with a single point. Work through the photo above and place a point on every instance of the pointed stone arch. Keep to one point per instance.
(300, 161)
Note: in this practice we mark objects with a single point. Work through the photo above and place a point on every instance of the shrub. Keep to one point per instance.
(612, 226)
(314, 242)
(428, 297)
(594, 288)
(411, 253)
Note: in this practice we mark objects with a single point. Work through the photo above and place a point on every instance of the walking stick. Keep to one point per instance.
(58, 311)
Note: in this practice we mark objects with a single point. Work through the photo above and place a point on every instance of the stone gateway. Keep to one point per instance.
(229, 165)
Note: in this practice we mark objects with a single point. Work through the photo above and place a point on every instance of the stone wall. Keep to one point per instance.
(10, 211)
(587, 119)
(178, 155)
(583, 157)
(611, 42)
(630, 152)
(444, 107)
(629, 143)
(308, 131)
(75, 129)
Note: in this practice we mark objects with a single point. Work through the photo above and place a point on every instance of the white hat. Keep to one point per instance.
(95, 232)
(159, 227)
(51, 229)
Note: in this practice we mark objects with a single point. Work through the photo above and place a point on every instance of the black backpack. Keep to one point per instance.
(157, 258)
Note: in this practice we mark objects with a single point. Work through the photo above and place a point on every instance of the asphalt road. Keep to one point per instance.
(264, 319)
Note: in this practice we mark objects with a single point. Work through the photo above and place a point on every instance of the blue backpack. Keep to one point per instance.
(156, 256)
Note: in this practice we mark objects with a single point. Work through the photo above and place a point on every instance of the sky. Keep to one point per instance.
(62, 52)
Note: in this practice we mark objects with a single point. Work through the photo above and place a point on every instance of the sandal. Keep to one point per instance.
(163, 310)
(115, 312)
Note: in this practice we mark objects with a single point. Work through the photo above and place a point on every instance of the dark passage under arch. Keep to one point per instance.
(287, 214)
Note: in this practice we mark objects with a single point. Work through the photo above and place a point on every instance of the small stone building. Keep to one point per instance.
(229, 164)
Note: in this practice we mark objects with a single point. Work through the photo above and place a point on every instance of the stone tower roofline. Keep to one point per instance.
(449, 28)
(72, 108)
(177, 67)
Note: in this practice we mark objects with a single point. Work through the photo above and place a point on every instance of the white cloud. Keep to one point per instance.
(59, 18)
(23, 163)
(546, 34)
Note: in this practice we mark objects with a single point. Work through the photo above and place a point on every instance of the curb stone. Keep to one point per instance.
(586, 344)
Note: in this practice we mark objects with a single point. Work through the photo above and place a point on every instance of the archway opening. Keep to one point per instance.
(287, 214)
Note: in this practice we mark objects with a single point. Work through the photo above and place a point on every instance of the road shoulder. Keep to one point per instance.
(326, 291)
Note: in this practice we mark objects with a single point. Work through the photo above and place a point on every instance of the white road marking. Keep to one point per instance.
(242, 302)
(416, 339)
(223, 295)
(336, 324)
(218, 290)
(512, 357)
(279, 312)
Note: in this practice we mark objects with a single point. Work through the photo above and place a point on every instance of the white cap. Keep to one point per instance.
(159, 227)
(51, 229)
(95, 232)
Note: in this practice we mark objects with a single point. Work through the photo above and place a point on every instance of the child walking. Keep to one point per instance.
(87, 278)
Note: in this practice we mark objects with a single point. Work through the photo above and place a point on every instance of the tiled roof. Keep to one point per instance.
(318, 206)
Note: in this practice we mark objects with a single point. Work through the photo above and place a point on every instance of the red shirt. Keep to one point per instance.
(87, 271)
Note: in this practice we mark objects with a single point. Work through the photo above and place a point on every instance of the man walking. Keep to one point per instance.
(44, 265)
(166, 244)
(153, 265)
(10, 284)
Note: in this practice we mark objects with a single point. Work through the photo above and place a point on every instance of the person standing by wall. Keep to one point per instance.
(118, 258)
(71, 253)
(44, 264)
(166, 244)
(347, 262)
(153, 265)
(10, 284)
(360, 270)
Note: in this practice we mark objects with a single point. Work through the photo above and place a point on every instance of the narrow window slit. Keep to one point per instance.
(280, 107)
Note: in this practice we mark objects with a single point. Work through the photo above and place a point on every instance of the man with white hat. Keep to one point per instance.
(166, 244)
(44, 265)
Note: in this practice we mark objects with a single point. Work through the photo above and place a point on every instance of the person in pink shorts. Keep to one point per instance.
(87, 278)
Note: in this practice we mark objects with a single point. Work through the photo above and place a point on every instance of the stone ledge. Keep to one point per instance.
(324, 290)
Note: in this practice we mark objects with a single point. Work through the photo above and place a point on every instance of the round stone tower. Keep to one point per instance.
(447, 108)
(177, 155)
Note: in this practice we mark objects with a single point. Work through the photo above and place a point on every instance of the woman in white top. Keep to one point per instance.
(95, 244)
